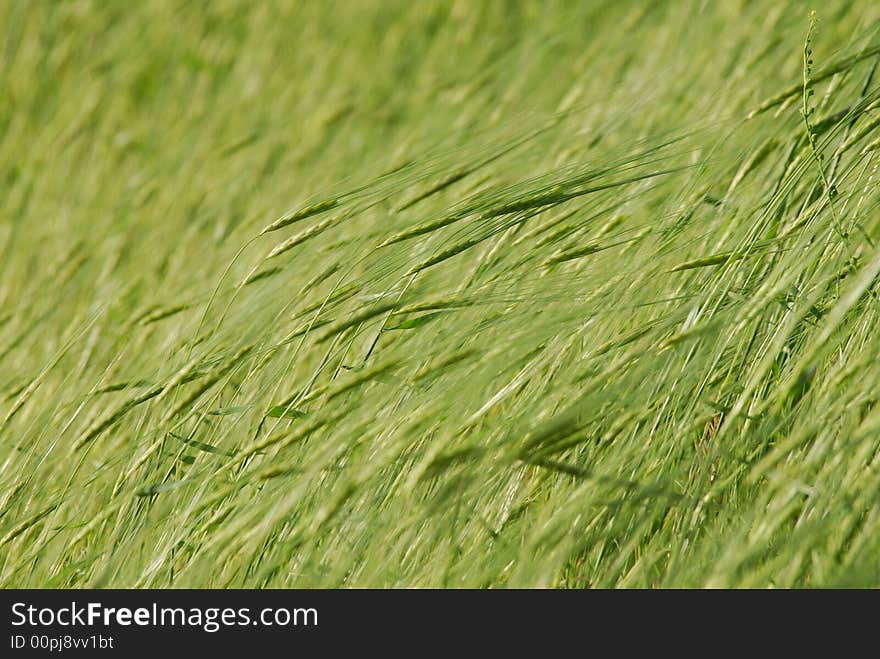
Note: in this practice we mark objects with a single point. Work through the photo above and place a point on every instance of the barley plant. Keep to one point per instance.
(447, 294)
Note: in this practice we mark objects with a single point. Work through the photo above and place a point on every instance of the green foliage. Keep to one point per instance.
(571, 294)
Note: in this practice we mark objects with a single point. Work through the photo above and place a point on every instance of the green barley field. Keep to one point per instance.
(439, 294)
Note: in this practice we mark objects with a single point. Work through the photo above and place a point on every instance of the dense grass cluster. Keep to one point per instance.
(439, 294)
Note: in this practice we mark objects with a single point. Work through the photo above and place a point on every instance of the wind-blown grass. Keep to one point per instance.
(439, 294)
